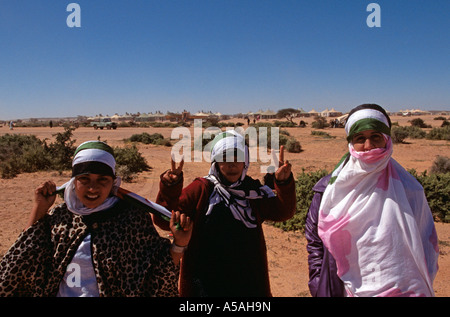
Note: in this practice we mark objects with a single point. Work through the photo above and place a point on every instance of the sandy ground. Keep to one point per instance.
(286, 250)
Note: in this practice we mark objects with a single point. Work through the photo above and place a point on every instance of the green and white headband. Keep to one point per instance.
(366, 119)
(94, 157)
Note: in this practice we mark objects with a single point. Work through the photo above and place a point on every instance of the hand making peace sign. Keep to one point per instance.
(173, 175)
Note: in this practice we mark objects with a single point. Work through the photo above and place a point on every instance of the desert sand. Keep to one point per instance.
(286, 250)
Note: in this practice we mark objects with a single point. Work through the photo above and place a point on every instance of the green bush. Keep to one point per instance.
(284, 124)
(320, 123)
(129, 162)
(442, 133)
(322, 134)
(304, 194)
(61, 151)
(155, 138)
(293, 146)
(437, 191)
(415, 132)
(27, 154)
(418, 122)
(22, 153)
(398, 134)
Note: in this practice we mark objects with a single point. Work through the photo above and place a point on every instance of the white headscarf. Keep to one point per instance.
(235, 198)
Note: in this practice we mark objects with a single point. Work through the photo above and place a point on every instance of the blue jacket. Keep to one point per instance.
(323, 278)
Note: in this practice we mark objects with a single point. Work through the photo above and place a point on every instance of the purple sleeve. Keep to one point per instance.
(323, 278)
(314, 244)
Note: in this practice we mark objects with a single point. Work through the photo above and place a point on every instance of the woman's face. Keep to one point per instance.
(368, 140)
(232, 171)
(93, 189)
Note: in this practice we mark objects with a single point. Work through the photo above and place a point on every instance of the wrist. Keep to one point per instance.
(178, 249)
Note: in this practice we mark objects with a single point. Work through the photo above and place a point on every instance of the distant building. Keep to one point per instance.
(330, 113)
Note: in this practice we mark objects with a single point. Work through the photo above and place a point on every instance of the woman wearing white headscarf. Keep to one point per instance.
(94, 244)
(373, 233)
(227, 253)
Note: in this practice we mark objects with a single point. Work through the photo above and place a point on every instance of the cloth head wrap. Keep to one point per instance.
(230, 145)
(235, 196)
(91, 157)
(94, 157)
(375, 220)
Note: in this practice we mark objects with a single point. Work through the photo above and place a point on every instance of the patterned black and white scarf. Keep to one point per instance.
(235, 196)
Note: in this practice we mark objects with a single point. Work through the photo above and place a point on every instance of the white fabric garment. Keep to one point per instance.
(375, 221)
(79, 279)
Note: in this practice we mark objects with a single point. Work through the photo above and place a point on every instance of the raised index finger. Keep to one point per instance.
(172, 161)
(180, 167)
(282, 154)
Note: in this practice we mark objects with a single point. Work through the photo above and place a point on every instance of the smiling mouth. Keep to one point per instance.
(92, 197)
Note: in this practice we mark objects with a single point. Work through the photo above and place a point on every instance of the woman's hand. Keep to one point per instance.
(44, 198)
(173, 175)
(181, 227)
(284, 170)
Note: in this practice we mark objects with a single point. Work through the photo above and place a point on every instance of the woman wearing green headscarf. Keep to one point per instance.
(94, 244)
(369, 228)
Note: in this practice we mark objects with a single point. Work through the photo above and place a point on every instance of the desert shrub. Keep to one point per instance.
(441, 165)
(445, 123)
(263, 124)
(27, 154)
(442, 133)
(225, 124)
(303, 189)
(437, 190)
(415, 132)
(62, 150)
(322, 134)
(129, 161)
(293, 146)
(418, 122)
(22, 153)
(146, 138)
(290, 143)
(284, 124)
(398, 134)
(320, 123)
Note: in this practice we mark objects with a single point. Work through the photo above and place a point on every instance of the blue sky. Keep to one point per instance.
(221, 55)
